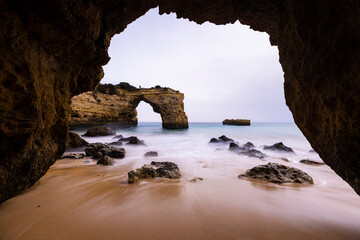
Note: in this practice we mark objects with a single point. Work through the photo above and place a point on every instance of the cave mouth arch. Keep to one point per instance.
(56, 50)
(146, 113)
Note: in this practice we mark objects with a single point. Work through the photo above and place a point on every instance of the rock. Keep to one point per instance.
(132, 140)
(98, 150)
(39, 75)
(311, 151)
(278, 147)
(239, 122)
(285, 159)
(73, 155)
(155, 169)
(234, 147)
(277, 173)
(311, 162)
(249, 145)
(117, 104)
(222, 139)
(151, 154)
(253, 153)
(118, 143)
(106, 160)
(74, 140)
(195, 179)
(118, 136)
(99, 131)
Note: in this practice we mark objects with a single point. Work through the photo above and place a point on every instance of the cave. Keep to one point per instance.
(53, 50)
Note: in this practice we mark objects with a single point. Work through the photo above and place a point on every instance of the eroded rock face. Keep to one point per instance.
(117, 104)
(52, 50)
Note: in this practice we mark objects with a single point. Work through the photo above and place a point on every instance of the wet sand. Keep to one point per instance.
(77, 200)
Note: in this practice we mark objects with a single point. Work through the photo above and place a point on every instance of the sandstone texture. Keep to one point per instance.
(238, 122)
(155, 169)
(277, 173)
(117, 104)
(53, 50)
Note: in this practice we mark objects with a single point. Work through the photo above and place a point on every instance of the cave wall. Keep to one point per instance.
(52, 50)
(113, 104)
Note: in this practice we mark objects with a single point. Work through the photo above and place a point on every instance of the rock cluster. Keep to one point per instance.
(238, 122)
(155, 169)
(247, 149)
(117, 104)
(221, 139)
(277, 173)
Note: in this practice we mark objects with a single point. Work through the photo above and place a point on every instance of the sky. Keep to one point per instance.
(227, 71)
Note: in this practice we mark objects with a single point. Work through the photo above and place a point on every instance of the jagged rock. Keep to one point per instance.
(151, 154)
(311, 162)
(132, 140)
(277, 173)
(222, 139)
(74, 140)
(39, 75)
(278, 147)
(195, 179)
(253, 153)
(155, 169)
(73, 155)
(98, 150)
(106, 160)
(99, 131)
(239, 122)
(109, 103)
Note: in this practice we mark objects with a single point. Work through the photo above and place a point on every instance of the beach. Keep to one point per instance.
(78, 199)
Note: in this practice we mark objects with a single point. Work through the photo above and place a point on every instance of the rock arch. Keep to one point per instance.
(117, 104)
(53, 50)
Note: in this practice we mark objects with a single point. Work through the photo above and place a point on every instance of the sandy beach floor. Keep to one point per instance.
(81, 200)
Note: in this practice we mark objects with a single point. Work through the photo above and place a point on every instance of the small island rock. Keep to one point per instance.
(238, 122)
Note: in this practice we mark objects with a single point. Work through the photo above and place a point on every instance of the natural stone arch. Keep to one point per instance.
(117, 104)
(52, 50)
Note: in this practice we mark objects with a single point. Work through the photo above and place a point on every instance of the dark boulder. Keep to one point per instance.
(311, 162)
(277, 173)
(223, 139)
(249, 145)
(73, 155)
(155, 169)
(253, 153)
(151, 154)
(106, 160)
(98, 150)
(118, 136)
(132, 140)
(74, 140)
(278, 147)
(99, 131)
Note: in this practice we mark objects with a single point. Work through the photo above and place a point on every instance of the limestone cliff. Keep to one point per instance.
(117, 104)
(52, 50)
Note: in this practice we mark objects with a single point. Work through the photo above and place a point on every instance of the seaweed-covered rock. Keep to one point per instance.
(279, 147)
(73, 155)
(99, 131)
(155, 169)
(311, 162)
(97, 150)
(106, 160)
(151, 154)
(277, 173)
(74, 140)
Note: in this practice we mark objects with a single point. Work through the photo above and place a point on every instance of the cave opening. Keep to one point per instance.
(146, 113)
(231, 68)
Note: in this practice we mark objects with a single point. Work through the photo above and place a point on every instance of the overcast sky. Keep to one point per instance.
(224, 71)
